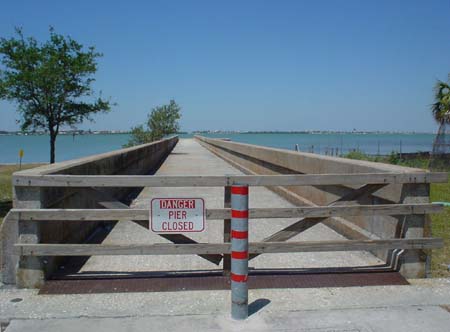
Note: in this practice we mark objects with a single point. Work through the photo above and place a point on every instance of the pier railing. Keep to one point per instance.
(220, 181)
(30, 248)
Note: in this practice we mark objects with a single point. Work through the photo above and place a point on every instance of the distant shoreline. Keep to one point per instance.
(307, 132)
(35, 164)
(18, 133)
(320, 132)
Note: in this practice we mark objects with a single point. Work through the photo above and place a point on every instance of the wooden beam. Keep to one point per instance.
(220, 214)
(82, 214)
(331, 211)
(217, 248)
(221, 181)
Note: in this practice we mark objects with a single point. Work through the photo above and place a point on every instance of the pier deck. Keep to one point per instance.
(190, 158)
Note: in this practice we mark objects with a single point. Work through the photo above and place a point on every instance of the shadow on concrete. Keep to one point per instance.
(5, 206)
(257, 305)
(95, 282)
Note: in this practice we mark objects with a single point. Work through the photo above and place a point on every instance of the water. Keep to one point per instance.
(36, 148)
(368, 143)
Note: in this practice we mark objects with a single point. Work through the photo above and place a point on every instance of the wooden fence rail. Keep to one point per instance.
(221, 181)
(220, 214)
(219, 248)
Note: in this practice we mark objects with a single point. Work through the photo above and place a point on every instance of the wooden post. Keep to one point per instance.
(30, 272)
(8, 238)
(227, 231)
(413, 262)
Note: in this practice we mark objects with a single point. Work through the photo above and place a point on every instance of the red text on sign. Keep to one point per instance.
(177, 204)
(177, 214)
(182, 226)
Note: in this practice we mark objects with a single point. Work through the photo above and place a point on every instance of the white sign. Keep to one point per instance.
(177, 215)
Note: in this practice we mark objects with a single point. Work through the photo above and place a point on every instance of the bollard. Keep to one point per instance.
(239, 251)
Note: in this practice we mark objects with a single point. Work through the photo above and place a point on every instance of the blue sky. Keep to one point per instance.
(255, 65)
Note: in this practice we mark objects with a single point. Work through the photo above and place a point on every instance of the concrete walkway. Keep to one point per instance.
(190, 158)
(421, 307)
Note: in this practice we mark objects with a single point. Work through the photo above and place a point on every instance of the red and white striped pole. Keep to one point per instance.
(239, 251)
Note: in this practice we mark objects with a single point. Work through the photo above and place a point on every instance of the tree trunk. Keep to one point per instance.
(52, 147)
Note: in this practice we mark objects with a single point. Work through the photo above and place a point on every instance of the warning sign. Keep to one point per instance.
(177, 215)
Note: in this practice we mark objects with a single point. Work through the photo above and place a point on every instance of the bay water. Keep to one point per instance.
(36, 147)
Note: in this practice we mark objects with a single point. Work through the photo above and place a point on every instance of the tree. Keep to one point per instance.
(440, 156)
(138, 136)
(441, 106)
(50, 82)
(162, 121)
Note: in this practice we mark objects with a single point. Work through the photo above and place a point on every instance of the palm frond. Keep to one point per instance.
(441, 107)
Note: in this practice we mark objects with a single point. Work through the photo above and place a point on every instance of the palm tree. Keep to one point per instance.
(440, 158)
(441, 106)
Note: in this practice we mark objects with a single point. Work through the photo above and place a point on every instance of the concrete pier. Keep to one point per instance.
(423, 305)
(190, 158)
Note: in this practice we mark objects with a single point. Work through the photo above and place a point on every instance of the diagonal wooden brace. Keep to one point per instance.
(306, 223)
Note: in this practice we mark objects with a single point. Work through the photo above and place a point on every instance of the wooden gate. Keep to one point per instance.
(30, 251)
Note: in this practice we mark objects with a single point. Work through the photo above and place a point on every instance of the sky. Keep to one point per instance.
(254, 65)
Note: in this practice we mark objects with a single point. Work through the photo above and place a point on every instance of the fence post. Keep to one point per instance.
(239, 251)
(30, 270)
(415, 226)
(226, 231)
(8, 237)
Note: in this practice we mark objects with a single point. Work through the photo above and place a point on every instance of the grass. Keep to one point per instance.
(439, 192)
(6, 172)
(393, 159)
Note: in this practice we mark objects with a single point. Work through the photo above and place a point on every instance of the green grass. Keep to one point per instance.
(6, 186)
(440, 192)
(392, 159)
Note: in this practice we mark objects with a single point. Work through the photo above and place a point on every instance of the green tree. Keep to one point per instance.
(138, 136)
(50, 82)
(441, 105)
(162, 121)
